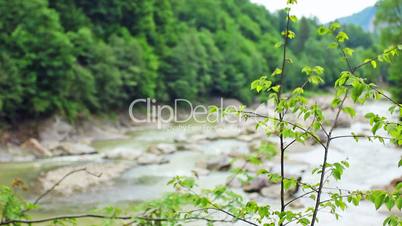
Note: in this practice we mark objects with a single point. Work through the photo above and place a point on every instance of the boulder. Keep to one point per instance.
(344, 120)
(200, 172)
(234, 182)
(151, 159)
(272, 192)
(254, 145)
(67, 148)
(297, 204)
(218, 164)
(180, 138)
(188, 147)
(256, 184)
(123, 154)
(161, 149)
(37, 148)
(225, 133)
(81, 180)
(391, 186)
(321, 135)
(197, 138)
(55, 129)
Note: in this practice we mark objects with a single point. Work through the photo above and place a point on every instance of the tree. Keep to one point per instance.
(388, 18)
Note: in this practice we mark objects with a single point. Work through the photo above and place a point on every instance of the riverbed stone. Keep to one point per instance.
(225, 133)
(273, 191)
(161, 149)
(96, 173)
(344, 120)
(180, 138)
(218, 164)
(151, 159)
(254, 145)
(36, 148)
(67, 148)
(55, 129)
(256, 184)
(188, 147)
(123, 154)
(234, 182)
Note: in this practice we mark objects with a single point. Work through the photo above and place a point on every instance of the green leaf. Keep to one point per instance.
(323, 30)
(350, 111)
(335, 26)
(373, 64)
(276, 88)
(277, 71)
(379, 200)
(293, 18)
(278, 44)
(348, 51)
(342, 36)
(389, 202)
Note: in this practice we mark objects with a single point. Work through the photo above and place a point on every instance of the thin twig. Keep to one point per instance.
(290, 123)
(44, 194)
(360, 136)
(372, 59)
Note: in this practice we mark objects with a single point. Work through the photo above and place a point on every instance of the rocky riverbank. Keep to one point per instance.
(137, 160)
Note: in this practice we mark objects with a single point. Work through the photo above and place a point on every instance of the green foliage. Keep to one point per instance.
(74, 57)
(390, 15)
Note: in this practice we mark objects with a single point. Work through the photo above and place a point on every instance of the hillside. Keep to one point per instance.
(364, 18)
(76, 57)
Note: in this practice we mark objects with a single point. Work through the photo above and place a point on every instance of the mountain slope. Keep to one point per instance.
(364, 18)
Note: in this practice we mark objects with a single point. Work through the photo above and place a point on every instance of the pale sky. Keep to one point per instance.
(324, 10)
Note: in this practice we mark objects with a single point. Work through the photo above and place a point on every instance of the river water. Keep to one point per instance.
(372, 164)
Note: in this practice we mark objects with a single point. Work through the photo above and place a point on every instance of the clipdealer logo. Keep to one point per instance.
(162, 114)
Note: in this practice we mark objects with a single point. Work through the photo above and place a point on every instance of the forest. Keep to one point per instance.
(312, 134)
(78, 57)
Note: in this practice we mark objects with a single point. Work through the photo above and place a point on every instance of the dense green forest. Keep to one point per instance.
(75, 57)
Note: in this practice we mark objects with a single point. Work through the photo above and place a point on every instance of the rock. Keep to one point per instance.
(256, 184)
(254, 145)
(200, 172)
(297, 204)
(180, 138)
(161, 149)
(273, 191)
(247, 137)
(218, 164)
(391, 186)
(55, 129)
(234, 182)
(254, 196)
(321, 135)
(73, 149)
(236, 154)
(188, 147)
(81, 180)
(197, 138)
(151, 159)
(225, 133)
(123, 154)
(38, 150)
(249, 129)
(396, 181)
(344, 121)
